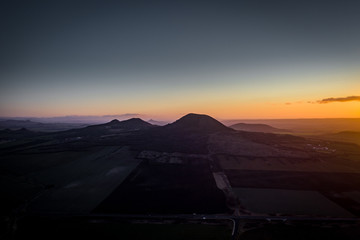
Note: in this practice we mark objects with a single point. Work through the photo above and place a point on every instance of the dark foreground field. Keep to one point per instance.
(321, 181)
(281, 231)
(91, 227)
(167, 189)
(83, 228)
(299, 188)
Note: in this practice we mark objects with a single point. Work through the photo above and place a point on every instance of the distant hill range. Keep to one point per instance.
(158, 123)
(344, 136)
(257, 128)
(38, 126)
(189, 134)
(111, 128)
(192, 133)
(131, 124)
(306, 125)
(20, 133)
(74, 119)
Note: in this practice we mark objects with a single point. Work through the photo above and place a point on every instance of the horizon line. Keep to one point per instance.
(136, 115)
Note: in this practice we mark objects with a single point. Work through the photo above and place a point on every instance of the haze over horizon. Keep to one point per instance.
(94, 119)
(164, 59)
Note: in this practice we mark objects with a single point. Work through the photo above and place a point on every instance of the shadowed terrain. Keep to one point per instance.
(192, 167)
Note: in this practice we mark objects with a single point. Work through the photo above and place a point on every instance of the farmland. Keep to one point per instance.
(169, 188)
(173, 180)
(324, 164)
(288, 202)
(45, 228)
(293, 186)
(294, 180)
(64, 181)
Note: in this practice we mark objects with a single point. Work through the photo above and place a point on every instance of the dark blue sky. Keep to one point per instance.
(52, 45)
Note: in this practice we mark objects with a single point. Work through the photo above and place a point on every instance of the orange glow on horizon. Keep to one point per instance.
(223, 110)
(273, 100)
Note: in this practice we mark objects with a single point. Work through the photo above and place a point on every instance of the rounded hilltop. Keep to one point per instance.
(198, 122)
(114, 121)
(130, 123)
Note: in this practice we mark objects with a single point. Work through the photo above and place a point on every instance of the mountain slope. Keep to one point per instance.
(38, 126)
(197, 123)
(111, 128)
(345, 136)
(22, 133)
(257, 128)
(188, 134)
(158, 123)
(131, 124)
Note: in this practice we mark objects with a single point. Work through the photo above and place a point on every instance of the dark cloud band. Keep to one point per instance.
(340, 99)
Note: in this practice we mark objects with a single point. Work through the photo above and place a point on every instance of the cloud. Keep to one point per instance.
(339, 99)
(291, 103)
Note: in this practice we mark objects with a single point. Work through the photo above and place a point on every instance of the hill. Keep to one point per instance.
(197, 123)
(113, 127)
(306, 125)
(188, 134)
(344, 136)
(257, 128)
(158, 123)
(131, 124)
(38, 126)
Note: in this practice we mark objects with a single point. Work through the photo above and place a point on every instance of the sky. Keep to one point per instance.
(164, 59)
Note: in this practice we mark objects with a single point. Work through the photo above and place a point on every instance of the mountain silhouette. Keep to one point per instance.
(110, 128)
(158, 123)
(257, 128)
(189, 134)
(129, 125)
(197, 123)
(115, 121)
(8, 134)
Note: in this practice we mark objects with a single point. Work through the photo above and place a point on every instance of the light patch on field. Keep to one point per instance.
(81, 184)
(288, 202)
(283, 164)
(72, 185)
(220, 181)
(115, 171)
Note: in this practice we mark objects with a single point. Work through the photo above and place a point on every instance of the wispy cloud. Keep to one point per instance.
(292, 103)
(339, 99)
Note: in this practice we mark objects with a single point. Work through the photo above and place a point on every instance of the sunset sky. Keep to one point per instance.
(163, 59)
